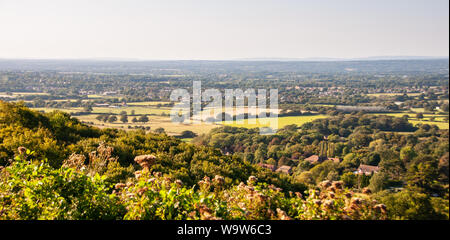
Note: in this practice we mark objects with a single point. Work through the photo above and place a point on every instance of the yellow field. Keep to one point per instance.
(137, 110)
(413, 115)
(68, 110)
(282, 121)
(18, 94)
(29, 93)
(392, 94)
(418, 110)
(108, 110)
(441, 125)
(154, 122)
(439, 119)
(153, 103)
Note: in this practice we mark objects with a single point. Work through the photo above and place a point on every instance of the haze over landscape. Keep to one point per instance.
(218, 30)
(158, 110)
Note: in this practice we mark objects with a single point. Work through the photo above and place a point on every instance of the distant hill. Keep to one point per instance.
(324, 59)
(370, 65)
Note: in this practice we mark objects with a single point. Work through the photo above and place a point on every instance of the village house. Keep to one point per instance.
(314, 159)
(367, 169)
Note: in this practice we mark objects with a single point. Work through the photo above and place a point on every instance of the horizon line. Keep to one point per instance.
(259, 59)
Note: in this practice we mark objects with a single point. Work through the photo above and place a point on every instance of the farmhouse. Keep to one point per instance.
(367, 169)
(315, 159)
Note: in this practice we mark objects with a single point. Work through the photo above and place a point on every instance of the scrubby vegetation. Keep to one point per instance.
(32, 189)
(54, 167)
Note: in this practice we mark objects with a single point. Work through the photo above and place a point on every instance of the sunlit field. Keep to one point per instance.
(152, 103)
(441, 125)
(154, 122)
(282, 121)
(108, 110)
(439, 120)
(392, 94)
(129, 110)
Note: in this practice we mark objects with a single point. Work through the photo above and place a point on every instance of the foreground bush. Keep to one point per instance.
(31, 189)
(34, 190)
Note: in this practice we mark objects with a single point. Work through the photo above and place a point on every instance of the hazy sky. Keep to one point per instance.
(223, 29)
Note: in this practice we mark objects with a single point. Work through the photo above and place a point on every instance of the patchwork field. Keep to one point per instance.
(153, 103)
(282, 121)
(129, 110)
(159, 117)
(67, 110)
(107, 110)
(431, 119)
(392, 94)
(441, 125)
(155, 122)
(21, 94)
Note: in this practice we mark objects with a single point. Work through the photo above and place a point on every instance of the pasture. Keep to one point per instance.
(392, 94)
(431, 119)
(282, 121)
(154, 122)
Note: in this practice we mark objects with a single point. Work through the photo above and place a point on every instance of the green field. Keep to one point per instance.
(323, 105)
(108, 110)
(137, 110)
(439, 119)
(154, 115)
(392, 94)
(186, 139)
(67, 110)
(30, 94)
(152, 103)
(413, 115)
(95, 96)
(418, 110)
(21, 94)
(441, 125)
(155, 122)
(282, 121)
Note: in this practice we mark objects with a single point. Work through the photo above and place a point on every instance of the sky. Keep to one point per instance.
(222, 29)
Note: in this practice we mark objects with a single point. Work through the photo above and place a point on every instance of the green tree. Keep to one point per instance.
(124, 118)
(423, 176)
(187, 134)
(407, 154)
(409, 205)
(159, 130)
(349, 179)
(378, 182)
(143, 119)
(112, 119)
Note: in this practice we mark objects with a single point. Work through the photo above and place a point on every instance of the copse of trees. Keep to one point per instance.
(143, 119)
(124, 118)
(112, 119)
